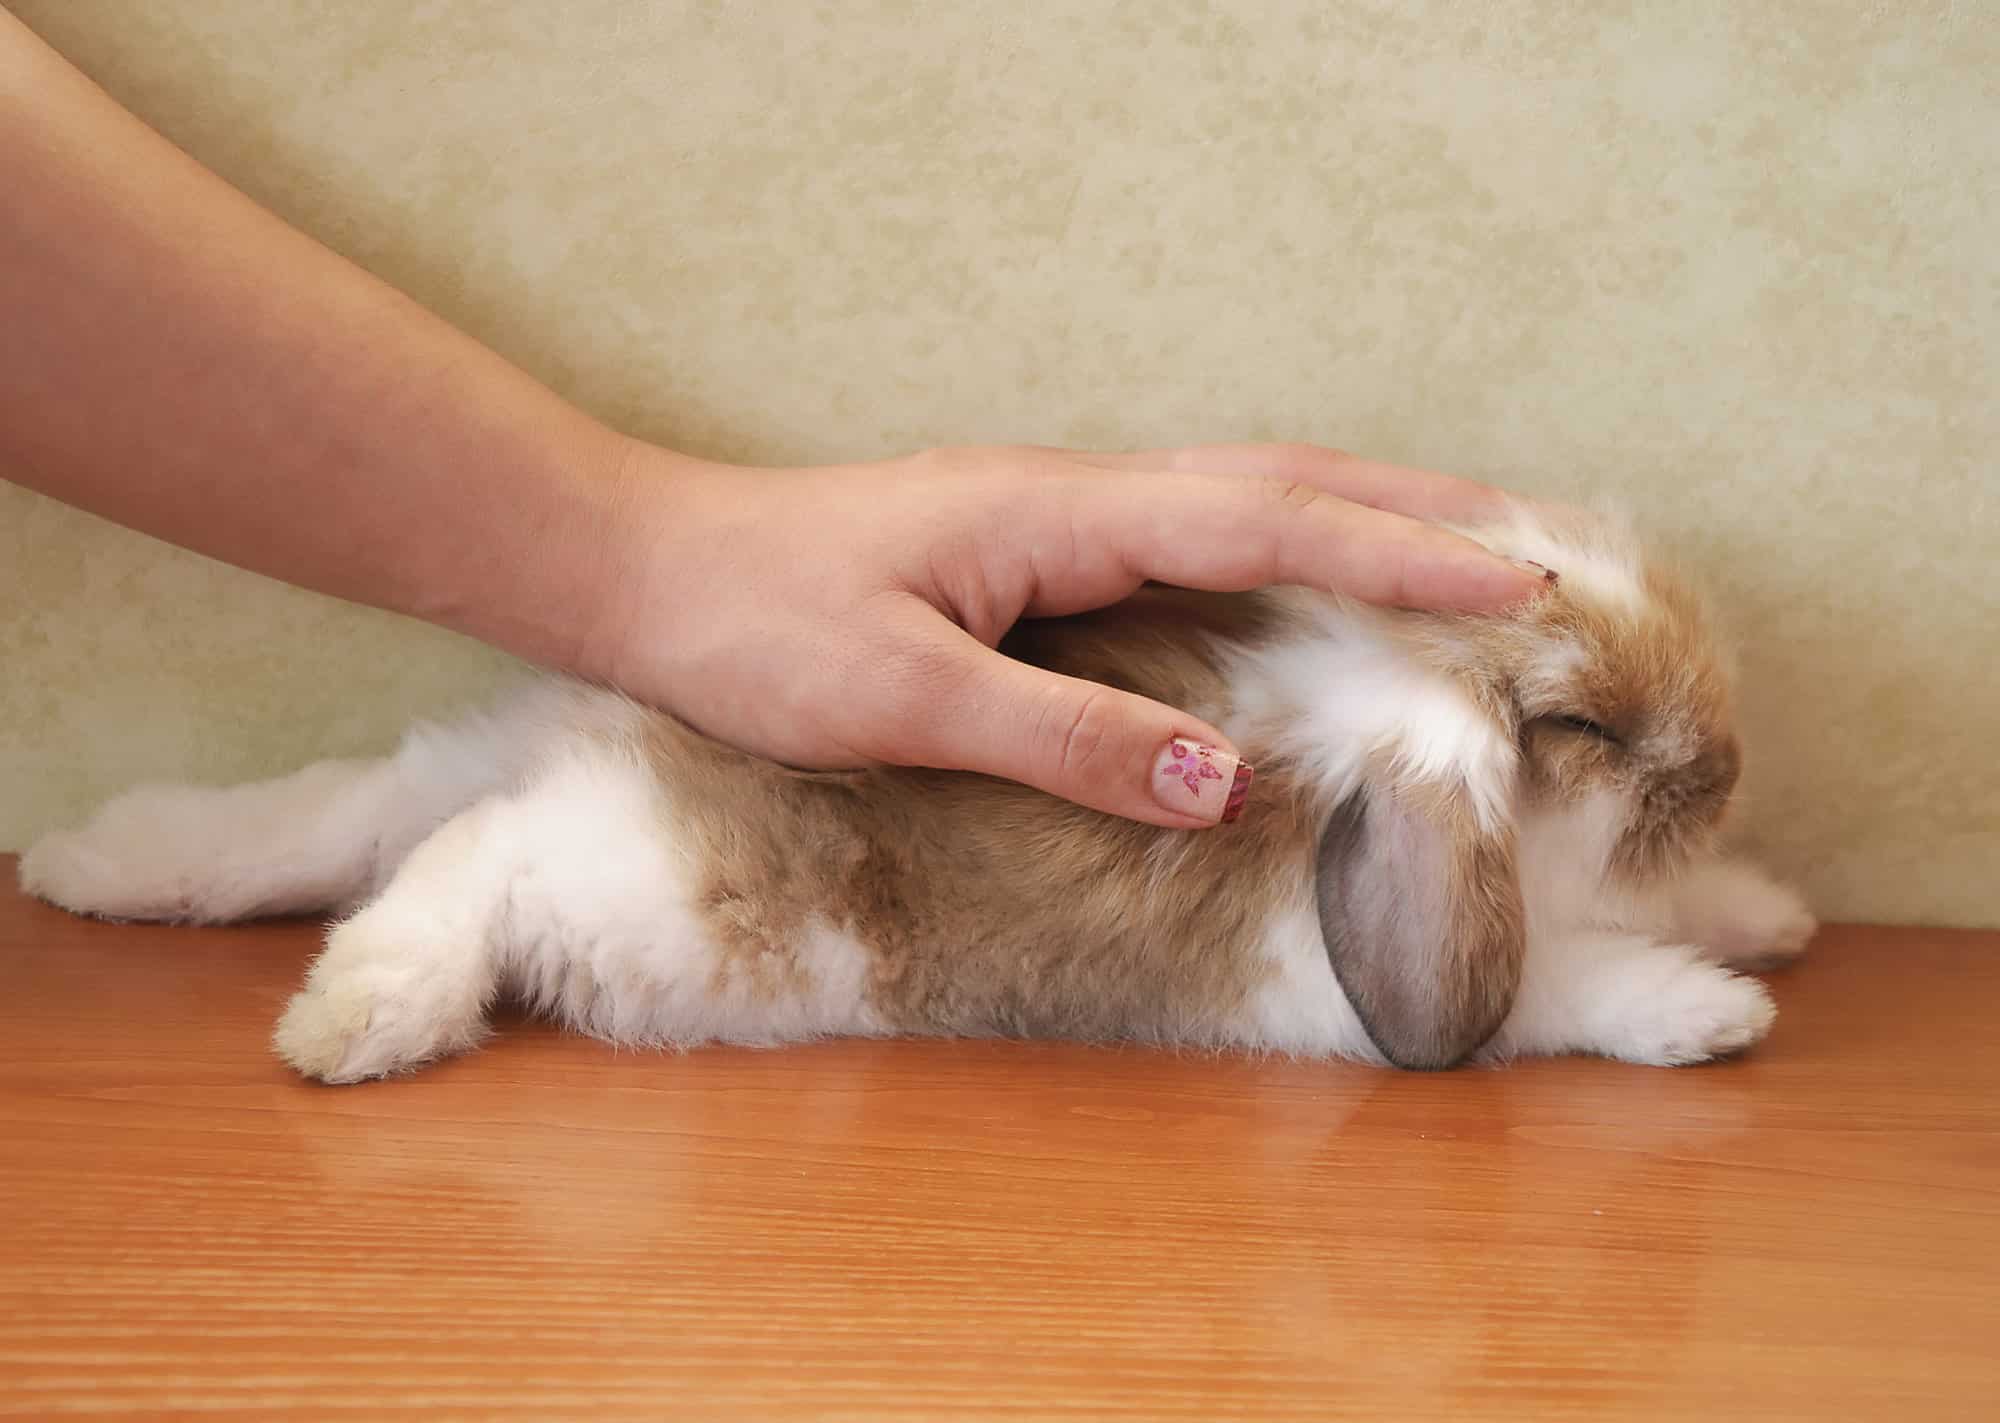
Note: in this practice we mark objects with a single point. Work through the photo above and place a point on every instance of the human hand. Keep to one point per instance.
(846, 616)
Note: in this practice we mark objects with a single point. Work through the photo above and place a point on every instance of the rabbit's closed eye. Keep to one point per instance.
(1584, 726)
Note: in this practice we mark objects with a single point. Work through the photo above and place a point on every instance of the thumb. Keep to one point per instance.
(1095, 745)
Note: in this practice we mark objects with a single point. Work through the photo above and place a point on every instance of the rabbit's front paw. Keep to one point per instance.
(1742, 917)
(1765, 933)
(1699, 1013)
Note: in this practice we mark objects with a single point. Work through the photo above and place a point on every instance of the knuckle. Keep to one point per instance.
(1405, 578)
(1088, 739)
(1293, 495)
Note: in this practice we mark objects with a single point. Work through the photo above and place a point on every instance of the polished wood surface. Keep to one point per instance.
(552, 1229)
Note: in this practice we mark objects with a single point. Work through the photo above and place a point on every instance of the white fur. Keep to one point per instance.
(322, 838)
(1339, 694)
(209, 855)
(1602, 567)
(1625, 995)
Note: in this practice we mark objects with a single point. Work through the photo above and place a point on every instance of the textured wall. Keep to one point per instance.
(1733, 263)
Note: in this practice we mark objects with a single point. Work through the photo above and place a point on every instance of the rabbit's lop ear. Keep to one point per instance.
(1421, 909)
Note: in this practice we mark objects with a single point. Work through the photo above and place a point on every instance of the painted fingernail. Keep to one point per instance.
(1540, 570)
(1192, 779)
(1239, 791)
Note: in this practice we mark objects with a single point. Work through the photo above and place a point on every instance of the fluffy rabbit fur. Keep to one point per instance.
(1466, 836)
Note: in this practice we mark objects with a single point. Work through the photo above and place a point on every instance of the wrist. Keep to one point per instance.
(631, 545)
(542, 549)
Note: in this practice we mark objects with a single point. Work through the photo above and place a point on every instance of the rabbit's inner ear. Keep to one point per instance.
(1421, 910)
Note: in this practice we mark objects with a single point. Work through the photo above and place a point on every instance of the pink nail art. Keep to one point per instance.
(1239, 792)
(1199, 780)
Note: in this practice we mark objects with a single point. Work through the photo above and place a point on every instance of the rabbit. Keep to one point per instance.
(1468, 838)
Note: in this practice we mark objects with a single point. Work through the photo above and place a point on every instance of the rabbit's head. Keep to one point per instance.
(1617, 688)
(1596, 721)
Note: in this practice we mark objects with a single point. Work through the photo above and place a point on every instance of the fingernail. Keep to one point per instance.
(1192, 779)
(1540, 570)
(1239, 791)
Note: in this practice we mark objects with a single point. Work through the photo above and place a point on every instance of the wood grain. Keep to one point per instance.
(551, 1229)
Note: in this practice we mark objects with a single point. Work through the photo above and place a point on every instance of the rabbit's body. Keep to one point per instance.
(1427, 844)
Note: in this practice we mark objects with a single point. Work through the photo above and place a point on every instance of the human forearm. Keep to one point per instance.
(178, 360)
(175, 358)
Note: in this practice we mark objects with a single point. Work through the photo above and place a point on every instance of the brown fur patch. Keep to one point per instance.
(993, 909)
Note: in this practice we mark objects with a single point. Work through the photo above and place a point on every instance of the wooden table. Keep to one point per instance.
(551, 1229)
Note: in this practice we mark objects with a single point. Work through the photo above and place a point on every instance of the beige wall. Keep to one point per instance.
(1735, 264)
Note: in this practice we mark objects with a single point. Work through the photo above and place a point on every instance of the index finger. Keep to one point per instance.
(1228, 535)
(1419, 493)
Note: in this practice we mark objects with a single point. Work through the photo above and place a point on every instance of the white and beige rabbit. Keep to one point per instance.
(1486, 836)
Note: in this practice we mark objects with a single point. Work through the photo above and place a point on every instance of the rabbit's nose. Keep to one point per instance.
(1726, 765)
(1713, 776)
